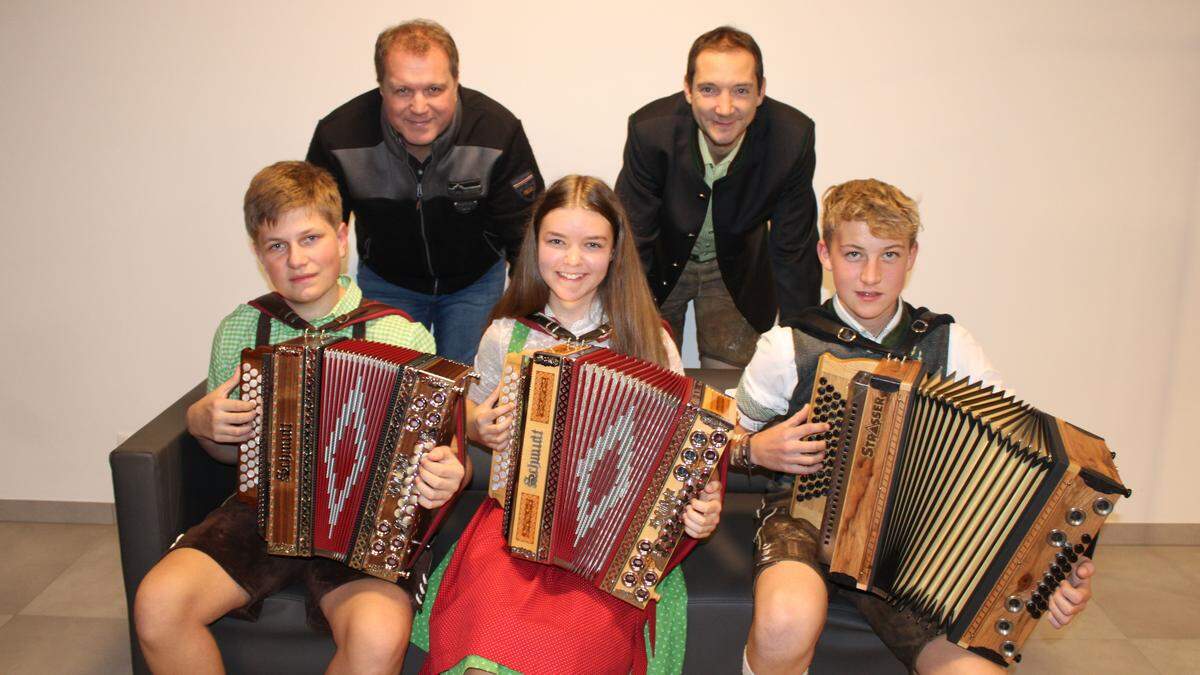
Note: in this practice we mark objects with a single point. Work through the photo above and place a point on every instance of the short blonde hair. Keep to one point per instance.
(888, 212)
(414, 37)
(289, 186)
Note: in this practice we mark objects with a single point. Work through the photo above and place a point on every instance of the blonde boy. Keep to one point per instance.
(293, 216)
(868, 245)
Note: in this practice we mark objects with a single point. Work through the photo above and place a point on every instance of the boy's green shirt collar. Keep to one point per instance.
(348, 302)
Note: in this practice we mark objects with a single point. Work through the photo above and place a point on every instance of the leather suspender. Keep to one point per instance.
(273, 306)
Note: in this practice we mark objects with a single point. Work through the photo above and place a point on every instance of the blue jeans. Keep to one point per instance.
(457, 320)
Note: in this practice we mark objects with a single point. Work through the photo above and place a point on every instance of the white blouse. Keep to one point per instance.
(489, 359)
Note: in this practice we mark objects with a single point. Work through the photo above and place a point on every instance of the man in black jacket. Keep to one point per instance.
(717, 181)
(440, 179)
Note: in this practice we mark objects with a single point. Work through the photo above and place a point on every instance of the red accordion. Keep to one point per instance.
(343, 425)
(606, 453)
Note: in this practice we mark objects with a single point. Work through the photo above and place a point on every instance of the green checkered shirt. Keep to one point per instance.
(239, 330)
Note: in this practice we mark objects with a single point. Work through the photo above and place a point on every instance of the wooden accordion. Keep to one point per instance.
(605, 454)
(951, 500)
(342, 427)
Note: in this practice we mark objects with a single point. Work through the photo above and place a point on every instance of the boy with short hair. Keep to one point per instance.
(293, 216)
(868, 244)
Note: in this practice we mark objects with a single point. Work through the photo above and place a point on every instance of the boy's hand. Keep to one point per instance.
(491, 422)
(219, 418)
(781, 448)
(438, 477)
(1071, 597)
(703, 513)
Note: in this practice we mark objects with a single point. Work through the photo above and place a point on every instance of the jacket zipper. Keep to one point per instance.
(424, 234)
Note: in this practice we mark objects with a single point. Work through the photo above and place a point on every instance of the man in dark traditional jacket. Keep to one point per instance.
(717, 181)
(440, 179)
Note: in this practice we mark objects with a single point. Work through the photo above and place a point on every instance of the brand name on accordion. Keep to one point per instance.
(536, 438)
(868, 449)
(283, 468)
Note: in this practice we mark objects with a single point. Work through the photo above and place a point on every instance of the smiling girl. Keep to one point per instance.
(578, 278)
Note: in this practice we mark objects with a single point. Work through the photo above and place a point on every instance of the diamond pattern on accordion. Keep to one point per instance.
(252, 390)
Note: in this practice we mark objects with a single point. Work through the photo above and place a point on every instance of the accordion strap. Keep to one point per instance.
(273, 306)
(824, 325)
(545, 324)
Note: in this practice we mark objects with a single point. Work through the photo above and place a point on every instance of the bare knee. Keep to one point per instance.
(790, 605)
(158, 609)
(180, 593)
(371, 631)
(790, 602)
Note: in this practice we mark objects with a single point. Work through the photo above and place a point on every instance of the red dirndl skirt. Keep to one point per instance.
(526, 616)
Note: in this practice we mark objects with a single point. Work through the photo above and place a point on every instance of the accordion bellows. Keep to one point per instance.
(344, 424)
(955, 502)
(605, 454)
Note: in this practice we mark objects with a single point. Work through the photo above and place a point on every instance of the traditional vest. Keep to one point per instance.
(920, 333)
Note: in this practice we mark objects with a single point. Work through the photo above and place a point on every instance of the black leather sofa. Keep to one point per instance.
(164, 482)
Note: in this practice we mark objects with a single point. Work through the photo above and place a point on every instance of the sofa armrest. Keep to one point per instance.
(163, 482)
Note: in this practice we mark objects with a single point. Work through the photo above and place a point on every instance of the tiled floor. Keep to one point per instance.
(62, 608)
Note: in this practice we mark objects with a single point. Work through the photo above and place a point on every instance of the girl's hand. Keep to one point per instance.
(704, 512)
(491, 422)
(438, 477)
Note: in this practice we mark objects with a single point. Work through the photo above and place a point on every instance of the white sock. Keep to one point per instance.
(746, 665)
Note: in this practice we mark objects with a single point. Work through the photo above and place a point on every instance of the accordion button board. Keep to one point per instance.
(958, 503)
(250, 388)
(605, 454)
(344, 425)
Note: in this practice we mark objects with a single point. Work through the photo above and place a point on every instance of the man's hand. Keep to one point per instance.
(703, 513)
(490, 422)
(438, 477)
(1071, 596)
(220, 419)
(782, 448)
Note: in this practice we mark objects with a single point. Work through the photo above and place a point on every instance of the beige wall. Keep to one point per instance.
(1054, 151)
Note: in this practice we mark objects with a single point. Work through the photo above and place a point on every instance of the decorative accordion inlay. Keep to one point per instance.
(344, 426)
(606, 453)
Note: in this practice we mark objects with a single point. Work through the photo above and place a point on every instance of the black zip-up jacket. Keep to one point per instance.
(440, 234)
(764, 209)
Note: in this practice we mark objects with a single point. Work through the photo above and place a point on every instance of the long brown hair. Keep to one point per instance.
(624, 295)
